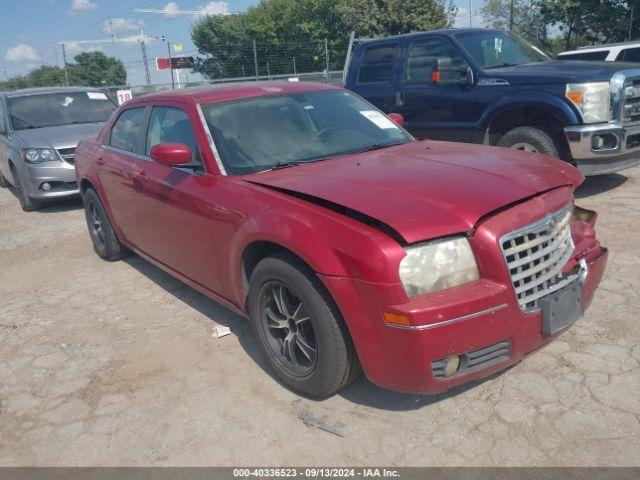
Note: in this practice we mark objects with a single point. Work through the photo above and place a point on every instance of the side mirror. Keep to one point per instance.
(444, 73)
(396, 118)
(171, 154)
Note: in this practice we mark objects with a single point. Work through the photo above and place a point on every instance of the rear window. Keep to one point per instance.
(127, 131)
(629, 55)
(377, 64)
(593, 56)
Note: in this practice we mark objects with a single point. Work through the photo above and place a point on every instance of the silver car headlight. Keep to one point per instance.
(39, 155)
(437, 265)
(592, 99)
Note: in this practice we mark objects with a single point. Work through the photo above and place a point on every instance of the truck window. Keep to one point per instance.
(423, 54)
(377, 64)
(593, 56)
(629, 55)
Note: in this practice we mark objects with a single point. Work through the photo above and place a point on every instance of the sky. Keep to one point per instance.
(31, 30)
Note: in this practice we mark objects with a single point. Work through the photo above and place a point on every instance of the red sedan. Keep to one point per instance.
(346, 242)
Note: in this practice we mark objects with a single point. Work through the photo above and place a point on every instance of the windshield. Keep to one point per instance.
(499, 49)
(261, 133)
(62, 108)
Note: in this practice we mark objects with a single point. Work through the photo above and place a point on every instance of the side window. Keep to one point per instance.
(377, 64)
(422, 56)
(127, 130)
(169, 124)
(588, 56)
(629, 55)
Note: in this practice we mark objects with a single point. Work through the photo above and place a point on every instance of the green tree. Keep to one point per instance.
(520, 16)
(291, 34)
(377, 18)
(591, 21)
(95, 69)
(44, 76)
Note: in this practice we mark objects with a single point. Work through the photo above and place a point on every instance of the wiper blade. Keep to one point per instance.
(281, 165)
(502, 65)
(377, 146)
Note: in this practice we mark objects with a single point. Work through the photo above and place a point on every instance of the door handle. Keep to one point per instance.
(399, 100)
(140, 178)
(100, 161)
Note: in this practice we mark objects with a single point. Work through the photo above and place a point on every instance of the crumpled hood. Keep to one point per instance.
(427, 189)
(64, 136)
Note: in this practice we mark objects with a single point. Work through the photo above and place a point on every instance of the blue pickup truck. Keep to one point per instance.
(489, 86)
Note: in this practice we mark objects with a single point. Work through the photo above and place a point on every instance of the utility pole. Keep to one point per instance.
(470, 13)
(64, 62)
(511, 21)
(255, 59)
(144, 58)
(326, 56)
(630, 24)
(165, 39)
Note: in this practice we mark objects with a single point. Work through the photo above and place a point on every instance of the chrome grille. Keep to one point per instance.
(68, 154)
(631, 108)
(535, 255)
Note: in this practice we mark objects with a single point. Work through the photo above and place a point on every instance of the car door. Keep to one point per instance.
(115, 168)
(174, 216)
(378, 73)
(439, 112)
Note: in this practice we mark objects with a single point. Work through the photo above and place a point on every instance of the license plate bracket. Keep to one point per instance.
(561, 308)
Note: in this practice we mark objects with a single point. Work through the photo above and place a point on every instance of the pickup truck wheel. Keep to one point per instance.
(530, 139)
(27, 203)
(299, 327)
(103, 237)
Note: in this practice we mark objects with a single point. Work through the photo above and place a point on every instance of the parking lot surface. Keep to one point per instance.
(115, 364)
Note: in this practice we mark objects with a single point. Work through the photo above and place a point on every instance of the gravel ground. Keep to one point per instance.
(114, 364)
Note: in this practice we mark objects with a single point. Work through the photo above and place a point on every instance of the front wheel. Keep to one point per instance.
(530, 139)
(27, 203)
(103, 237)
(299, 327)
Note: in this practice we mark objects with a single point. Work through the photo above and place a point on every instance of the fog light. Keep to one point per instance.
(604, 141)
(452, 365)
(46, 186)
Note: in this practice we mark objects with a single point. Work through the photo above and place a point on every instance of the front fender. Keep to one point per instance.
(565, 113)
(330, 243)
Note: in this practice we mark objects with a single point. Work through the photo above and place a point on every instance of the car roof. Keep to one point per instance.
(219, 93)
(601, 48)
(44, 90)
(442, 31)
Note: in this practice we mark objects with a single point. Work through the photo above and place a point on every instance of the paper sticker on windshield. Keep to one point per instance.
(96, 95)
(379, 119)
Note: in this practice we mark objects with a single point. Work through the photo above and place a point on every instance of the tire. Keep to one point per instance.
(103, 237)
(314, 325)
(4, 183)
(27, 203)
(530, 139)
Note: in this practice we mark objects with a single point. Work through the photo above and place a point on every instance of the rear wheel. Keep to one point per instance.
(103, 237)
(530, 139)
(27, 203)
(299, 327)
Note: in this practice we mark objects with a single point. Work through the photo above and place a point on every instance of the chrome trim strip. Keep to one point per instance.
(127, 152)
(212, 144)
(449, 322)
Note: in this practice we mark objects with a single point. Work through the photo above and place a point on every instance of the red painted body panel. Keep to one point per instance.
(197, 227)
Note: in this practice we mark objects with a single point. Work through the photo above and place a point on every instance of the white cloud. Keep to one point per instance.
(74, 49)
(211, 8)
(215, 8)
(22, 53)
(81, 6)
(462, 19)
(170, 9)
(122, 25)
